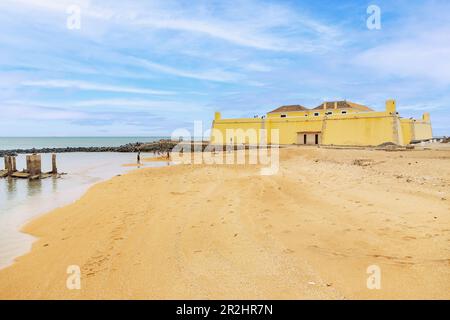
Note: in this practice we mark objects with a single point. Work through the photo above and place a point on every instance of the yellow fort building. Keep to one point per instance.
(341, 123)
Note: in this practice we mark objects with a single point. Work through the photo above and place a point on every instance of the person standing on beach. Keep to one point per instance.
(139, 157)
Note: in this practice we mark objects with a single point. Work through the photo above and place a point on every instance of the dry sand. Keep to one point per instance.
(210, 231)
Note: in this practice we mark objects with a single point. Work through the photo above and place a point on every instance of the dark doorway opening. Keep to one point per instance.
(317, 138)
(304, 139)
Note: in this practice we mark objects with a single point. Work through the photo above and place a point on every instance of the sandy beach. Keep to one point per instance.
(226, 232)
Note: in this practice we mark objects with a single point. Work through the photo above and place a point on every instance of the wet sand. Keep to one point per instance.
(226, 232)
(22, 200)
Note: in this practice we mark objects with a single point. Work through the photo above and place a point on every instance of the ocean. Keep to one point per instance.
(22, 200)
(9, 143)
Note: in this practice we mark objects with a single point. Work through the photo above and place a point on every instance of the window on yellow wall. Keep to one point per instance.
(283, 116)
(316, 114)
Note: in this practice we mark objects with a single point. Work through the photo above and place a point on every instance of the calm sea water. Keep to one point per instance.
(8, 143)
(23, 200)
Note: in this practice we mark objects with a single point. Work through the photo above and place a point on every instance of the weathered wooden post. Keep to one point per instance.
(8, 165)
(5, 158)
(30, 164)
(13, 164)
(37, 164)
(54, 169)
(32, 168)
(34, 164)
(28, 158)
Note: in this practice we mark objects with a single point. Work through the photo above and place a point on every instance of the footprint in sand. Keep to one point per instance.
(382, 256)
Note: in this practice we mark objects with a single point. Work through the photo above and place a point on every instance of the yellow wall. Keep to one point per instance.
(219, 134)
(407, 130)
(416, 129)
(288, 128)
(370, 130)
(354, 128)
(422, 130)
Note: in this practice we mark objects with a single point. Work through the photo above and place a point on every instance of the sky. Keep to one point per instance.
(147, 68)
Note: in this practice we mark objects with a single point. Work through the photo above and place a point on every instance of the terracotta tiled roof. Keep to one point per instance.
(290, 108)
(344, 105)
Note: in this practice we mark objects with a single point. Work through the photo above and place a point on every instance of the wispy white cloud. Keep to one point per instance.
(81, 85)
(258, 67)
(156, 105)
(17, 110)
(414, 47)
(259, 25)
(424, 56)
(426, 106)
(244, 23)
(211, 75)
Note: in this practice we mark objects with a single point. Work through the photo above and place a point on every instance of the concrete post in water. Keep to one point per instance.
(54, 169)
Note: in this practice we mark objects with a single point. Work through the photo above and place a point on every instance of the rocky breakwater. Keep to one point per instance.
(158, 146)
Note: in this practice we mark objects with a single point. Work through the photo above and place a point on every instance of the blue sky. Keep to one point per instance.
(149, 67)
